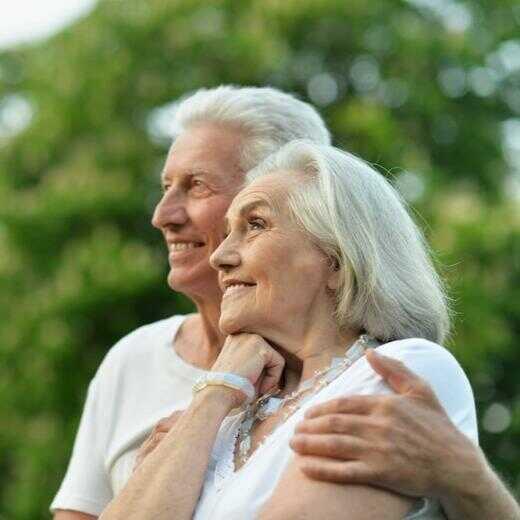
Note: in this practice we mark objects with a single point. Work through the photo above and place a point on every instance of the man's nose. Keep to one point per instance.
(170, 211)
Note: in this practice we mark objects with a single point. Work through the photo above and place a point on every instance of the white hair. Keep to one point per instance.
(388, 285)
(268, 117)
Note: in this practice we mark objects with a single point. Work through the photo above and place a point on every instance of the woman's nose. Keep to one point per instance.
(169, 211)
(226, 256)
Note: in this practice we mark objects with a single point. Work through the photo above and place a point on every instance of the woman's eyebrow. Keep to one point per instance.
(254, 204)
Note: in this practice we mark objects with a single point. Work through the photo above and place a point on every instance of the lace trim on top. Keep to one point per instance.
(224, 451)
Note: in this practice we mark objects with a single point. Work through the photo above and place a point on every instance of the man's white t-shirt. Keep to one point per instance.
(230, 495)
(140, 381)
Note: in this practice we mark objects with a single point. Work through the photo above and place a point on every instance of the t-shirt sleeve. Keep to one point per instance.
(441, 371)
(86, 487)
(434, 364)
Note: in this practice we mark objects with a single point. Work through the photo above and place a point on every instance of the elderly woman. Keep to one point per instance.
(321, 261)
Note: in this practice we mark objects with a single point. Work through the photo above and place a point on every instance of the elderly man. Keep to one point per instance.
(149, 373)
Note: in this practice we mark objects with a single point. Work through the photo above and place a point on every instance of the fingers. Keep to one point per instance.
(166, 423)
(342, 447)
(274, 365)
(398, 376)
(158, 433)
(357, 404)
(148, 446)
(335, 423)
(330, 470)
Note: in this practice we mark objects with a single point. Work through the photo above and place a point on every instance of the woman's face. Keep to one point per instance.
(272, 276)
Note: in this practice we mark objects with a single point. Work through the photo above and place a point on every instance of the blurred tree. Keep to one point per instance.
(428, 88)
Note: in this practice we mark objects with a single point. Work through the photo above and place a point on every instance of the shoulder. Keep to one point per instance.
(425, 358)
(434, 363)
(431, 362)
(439, 368)
(137, 346)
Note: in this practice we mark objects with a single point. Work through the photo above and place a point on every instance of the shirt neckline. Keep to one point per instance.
(177, 364)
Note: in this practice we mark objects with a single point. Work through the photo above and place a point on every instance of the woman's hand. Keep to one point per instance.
(250, 356)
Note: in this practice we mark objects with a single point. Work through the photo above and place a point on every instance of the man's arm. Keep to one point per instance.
(420, 452)
(62, 514)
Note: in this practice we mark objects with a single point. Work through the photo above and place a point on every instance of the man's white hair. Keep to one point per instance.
(388, 285)
(268, 117)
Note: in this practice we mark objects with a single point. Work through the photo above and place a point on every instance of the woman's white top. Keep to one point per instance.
(240, 495)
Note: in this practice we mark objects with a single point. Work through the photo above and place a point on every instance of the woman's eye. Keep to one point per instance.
(165, 187)
(256, 223)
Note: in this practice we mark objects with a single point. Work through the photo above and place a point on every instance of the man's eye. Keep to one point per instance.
(197, 185)
(165, 188)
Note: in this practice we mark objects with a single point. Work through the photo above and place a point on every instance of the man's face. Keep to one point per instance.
(200, 178)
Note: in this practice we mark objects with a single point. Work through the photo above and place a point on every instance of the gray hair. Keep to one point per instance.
(388, 285)
(268, 117)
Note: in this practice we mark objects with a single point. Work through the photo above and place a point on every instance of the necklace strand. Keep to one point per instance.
(268, 404)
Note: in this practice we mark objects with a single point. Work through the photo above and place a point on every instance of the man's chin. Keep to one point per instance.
(194, 282)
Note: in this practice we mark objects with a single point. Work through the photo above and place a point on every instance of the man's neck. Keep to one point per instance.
(199, 340)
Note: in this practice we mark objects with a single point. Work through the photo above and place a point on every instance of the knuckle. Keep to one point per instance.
(385, 426)
(161, 423)
(387, 404)
(335, 422)
(337, 404)
(336, 445)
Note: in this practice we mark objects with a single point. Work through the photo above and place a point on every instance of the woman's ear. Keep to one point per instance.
(333, 280)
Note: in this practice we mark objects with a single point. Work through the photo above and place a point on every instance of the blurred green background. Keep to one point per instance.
(429, 89)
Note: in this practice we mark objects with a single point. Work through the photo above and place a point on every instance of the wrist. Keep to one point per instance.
(220, 397)
(466, 488)
(242, 388)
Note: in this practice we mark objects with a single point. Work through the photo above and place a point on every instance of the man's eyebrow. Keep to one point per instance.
(189, 173)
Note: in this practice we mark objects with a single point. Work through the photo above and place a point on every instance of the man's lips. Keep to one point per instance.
(177, 246)
(235, 286)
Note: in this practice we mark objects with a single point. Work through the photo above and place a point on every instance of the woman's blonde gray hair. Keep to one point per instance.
(388, 285)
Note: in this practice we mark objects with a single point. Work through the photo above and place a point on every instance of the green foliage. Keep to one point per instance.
(423, 92)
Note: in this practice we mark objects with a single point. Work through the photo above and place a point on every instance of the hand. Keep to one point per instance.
(403, 442)
(157, 435)
(250, 356)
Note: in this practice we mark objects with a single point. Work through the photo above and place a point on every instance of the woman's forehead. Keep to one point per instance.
(269, 191)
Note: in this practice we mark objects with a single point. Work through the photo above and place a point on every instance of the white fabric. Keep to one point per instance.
(140, 381)
(240, 495)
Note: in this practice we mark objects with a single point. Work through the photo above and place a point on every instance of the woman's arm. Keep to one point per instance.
(298, 497)
(167, 484)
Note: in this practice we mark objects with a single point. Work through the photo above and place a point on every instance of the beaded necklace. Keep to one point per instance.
(268, 404)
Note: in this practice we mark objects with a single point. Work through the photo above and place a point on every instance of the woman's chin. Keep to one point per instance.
(229, 325)
(235, 324)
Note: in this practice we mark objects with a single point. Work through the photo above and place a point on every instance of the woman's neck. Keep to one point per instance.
(315, 353)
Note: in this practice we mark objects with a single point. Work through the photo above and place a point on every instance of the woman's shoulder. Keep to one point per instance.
(431, 362)
(423, 357)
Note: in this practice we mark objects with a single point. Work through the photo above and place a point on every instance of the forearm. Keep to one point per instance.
(481, 495)
(169, 481)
